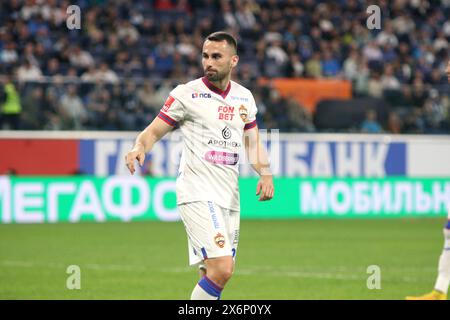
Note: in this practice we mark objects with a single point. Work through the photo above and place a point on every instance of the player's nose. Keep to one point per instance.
(208, 64)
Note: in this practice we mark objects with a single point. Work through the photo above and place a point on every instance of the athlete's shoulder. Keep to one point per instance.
(241, 93)
(178, 90)
(240, 88)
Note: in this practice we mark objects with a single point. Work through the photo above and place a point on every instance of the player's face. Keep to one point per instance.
(218, 59)
(448, 71)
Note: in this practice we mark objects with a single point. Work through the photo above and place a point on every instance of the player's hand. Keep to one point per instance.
(137, 153)
(265, 188)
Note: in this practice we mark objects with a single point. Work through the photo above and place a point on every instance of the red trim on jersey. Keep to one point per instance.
(214, 89)
(168, 103)
(250, 125)
(167, 119)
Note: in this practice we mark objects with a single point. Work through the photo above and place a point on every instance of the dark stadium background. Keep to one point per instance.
(342, 96)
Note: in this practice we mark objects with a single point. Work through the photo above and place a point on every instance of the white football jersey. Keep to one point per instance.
(212, 123)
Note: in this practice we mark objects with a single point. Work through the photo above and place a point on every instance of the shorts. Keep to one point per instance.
(212, 231)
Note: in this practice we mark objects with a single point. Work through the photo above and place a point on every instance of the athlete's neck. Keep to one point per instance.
(222, 84)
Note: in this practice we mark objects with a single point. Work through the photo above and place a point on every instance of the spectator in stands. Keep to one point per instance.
(9, 53)
(414, 122)
(300, 118)
(394, 123)
(32, 116)
(313, 66)
(127, 32)
(295, 68)
(90, 75)
(370, 124)
(228, 14)
(28, 72)
(244, 15)
(374, 85)
(163, 91)
(434, 113)
(72, 109)
(330, 65)
(350, 67)
(52, 68)
(361, 84)
(148, 99)
(387, 36)
(80, 58)
(388, 79)
(186, 47)
(276, 59)
(105, 74)
(372, 52)
(10, 105)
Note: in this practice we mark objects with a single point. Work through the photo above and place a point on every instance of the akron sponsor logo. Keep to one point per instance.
(224, 143)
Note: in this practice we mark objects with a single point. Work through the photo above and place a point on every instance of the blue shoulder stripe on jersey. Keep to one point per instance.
(250, 125)
(448, 225)
(167, 119)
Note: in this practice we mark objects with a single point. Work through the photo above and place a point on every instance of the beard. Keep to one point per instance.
(215, 75)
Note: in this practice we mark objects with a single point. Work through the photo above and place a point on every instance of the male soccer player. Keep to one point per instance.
(443, 280)
(216, 116)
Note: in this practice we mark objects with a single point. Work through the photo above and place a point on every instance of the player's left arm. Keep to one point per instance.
(259, 160)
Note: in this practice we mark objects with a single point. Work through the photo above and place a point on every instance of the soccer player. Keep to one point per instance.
(216, 117)
(443, 280)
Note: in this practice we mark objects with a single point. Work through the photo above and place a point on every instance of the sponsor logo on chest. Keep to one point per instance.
(197, 95)
(225, 113)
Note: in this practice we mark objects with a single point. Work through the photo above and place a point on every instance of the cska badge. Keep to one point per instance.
(243, 113)
(219, 239)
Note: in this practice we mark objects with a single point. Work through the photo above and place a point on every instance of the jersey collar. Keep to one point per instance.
(213, 88)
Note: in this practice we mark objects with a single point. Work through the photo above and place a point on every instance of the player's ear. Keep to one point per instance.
(234, 60)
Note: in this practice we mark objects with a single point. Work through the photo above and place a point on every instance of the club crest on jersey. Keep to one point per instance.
(243, 113)
(168, 103)
(219, 239)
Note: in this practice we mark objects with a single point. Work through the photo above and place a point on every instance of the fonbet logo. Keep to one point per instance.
(196, 95)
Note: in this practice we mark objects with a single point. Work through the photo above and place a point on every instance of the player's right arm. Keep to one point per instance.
(145, 141)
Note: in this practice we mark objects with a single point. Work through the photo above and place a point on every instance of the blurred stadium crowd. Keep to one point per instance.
(117, 70)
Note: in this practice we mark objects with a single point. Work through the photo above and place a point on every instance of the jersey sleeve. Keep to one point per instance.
(173, 110)
(251, 123)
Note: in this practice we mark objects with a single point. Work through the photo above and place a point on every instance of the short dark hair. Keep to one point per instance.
(222, 35)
